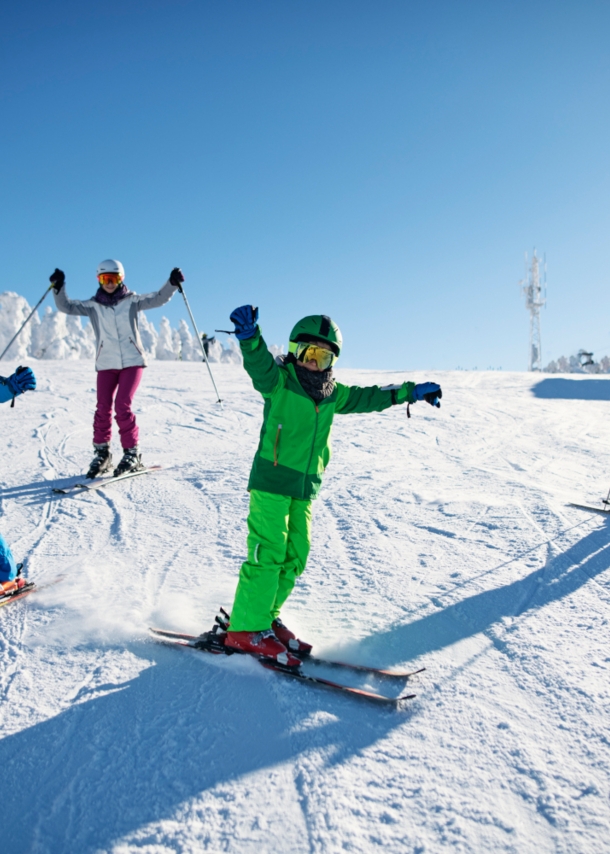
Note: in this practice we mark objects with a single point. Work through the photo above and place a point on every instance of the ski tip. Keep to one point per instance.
(602, 511)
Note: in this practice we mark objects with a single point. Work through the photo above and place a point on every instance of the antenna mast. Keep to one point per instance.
(532, 288)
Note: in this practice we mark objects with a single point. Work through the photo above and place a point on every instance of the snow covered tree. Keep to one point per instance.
(148, 334)
(232, 354)
(55, 339)
(13, 311)
(165, 345)
(189, 349)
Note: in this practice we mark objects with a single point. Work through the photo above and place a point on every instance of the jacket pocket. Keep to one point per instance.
(136, 346)
(99, 350)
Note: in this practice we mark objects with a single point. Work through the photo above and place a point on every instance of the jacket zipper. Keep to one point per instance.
(99, 350)
(313, 442)
(276, 444)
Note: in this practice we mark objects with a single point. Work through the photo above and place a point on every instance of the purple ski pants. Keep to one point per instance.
(124, 384)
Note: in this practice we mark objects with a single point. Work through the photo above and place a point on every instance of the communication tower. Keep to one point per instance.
(532, 287)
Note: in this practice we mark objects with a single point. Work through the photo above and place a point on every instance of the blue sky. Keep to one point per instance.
(384, 162)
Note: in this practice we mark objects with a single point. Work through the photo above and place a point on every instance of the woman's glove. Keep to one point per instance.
(244, 318)
(57, 279)
(430, 392)
(176, 277)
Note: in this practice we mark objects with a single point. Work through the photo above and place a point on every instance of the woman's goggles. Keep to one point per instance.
(110, 278)
(323, 358)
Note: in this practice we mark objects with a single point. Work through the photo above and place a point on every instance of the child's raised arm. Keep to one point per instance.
(258, 361)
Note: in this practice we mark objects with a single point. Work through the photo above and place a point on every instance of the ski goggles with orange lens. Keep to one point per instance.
(323, 358)
(110, 278)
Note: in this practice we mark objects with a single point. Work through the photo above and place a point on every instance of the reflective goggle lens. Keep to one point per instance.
(312, 353)
(110, 278)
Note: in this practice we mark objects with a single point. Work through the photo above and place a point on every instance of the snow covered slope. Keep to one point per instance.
(444, 541)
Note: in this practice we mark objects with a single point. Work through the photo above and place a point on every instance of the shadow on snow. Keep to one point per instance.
(562, 389)
(107, 767)
(560, 577)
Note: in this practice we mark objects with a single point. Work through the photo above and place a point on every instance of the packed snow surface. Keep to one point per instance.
(442, 541)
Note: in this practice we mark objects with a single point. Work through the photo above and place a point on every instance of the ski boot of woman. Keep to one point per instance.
(101, 462)
(131, 461)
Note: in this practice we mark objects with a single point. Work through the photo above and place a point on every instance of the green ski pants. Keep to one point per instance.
(279, 531)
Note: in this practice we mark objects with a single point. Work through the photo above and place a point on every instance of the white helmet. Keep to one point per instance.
(111, 266)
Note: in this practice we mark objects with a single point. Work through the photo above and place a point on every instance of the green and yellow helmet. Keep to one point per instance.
(316, 327)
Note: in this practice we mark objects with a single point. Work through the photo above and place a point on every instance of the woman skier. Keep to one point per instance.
(301, 398)
(11, 579)
(120, 360)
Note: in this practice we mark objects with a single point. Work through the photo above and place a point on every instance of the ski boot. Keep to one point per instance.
(15, 585)
(289, 639)
(132, 461)
(263, 645)
(101, 462)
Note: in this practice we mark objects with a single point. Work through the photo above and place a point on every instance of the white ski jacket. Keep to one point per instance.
(117, 339)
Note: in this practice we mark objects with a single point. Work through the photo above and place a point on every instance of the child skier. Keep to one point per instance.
(301, 398)
(11, 579)
(120, 361)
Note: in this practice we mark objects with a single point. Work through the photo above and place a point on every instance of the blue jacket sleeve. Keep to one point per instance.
(5, 393)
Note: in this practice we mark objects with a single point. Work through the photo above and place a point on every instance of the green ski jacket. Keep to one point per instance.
(294, 446)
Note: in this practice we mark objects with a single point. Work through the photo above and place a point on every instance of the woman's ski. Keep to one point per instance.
(102, 482)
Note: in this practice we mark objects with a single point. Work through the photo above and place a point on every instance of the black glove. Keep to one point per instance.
(176, 277)
(57, 279)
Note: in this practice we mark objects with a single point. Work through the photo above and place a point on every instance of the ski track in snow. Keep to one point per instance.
(442, 541)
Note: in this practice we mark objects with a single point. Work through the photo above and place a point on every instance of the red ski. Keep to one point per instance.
(7, 598)
(29, 587)
(213, 642)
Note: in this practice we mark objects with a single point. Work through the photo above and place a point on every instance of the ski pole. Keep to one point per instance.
(18, 333)
(205, 355)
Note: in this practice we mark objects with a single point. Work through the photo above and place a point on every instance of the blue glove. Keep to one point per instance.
(244, 318)
(22, 380)
(430, 392)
